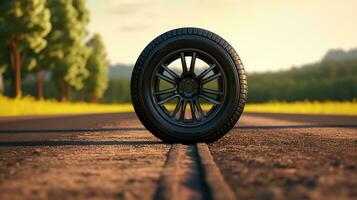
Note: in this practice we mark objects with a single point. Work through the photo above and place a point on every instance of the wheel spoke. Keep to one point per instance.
(209, 91)
(183, 62)
(199, 109)
(177, 108)
(165, 91)
(182, 102)
(193, 110)
(206, 71)
(183, 110)
(193, 62)
(163, 77)
(167, 99)
(172, 73)
(211, 78)
(209, 99)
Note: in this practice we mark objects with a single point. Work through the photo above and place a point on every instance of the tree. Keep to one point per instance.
(23, 27)
(66, 53)
(83, 19)
(97, 64)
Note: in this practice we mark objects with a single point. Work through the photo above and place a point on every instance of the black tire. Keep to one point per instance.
(154, 70)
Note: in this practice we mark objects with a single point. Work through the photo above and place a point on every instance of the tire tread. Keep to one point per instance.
(243, 92)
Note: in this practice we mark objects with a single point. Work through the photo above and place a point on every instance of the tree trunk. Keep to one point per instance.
(1, 84)
(81, 95)
(68, 92)
(15, 62)
(94, 98)
(62, 88)
(40, 76)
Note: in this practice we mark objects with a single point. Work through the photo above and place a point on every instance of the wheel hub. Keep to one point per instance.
(188, 87)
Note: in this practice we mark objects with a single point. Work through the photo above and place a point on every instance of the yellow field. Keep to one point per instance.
(30, 106)
(305, 107)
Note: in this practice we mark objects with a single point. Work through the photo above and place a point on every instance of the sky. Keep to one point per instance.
(268, 35)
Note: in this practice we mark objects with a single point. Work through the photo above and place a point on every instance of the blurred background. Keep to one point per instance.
(295, 52)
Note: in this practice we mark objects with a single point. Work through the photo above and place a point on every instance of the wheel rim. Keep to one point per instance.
(198, 87)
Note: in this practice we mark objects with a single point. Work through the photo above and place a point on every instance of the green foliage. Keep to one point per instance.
(25, 21)
(40, 35)
(82, 14)
(118, 91)
(66, 52)
(97, 65)
(23, 27)
(328, 80)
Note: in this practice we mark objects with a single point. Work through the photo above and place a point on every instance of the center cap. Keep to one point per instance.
(188, 87)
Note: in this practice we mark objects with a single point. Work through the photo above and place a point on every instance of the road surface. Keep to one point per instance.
(112, 156)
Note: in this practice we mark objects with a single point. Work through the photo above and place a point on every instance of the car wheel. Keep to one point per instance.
(188, 86)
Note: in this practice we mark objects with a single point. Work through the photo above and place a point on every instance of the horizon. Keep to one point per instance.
(270, 36)
(124, 65)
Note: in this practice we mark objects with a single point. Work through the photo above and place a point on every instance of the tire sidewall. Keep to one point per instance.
(232, 87)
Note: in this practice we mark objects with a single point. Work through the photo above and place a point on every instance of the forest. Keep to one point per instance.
(327, 80)
(47, 51)
(333, 78)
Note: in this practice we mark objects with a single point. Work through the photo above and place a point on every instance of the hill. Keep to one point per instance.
(120, 71)
(340, 55)
(333, 78)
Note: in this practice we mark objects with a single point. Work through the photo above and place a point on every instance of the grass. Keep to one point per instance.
(30, 106)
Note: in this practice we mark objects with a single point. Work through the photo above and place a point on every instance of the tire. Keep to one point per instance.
(199, 101)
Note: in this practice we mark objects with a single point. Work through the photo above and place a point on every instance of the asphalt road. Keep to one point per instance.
(112, 156)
